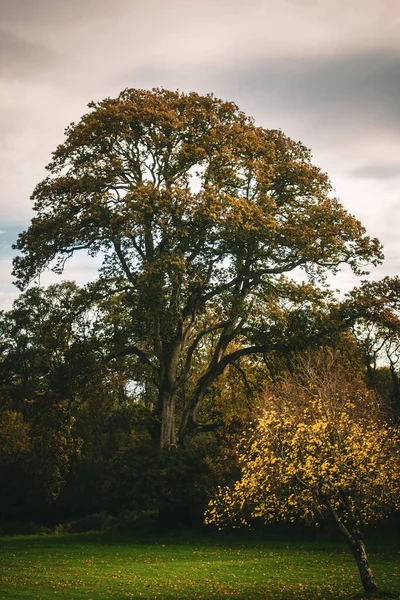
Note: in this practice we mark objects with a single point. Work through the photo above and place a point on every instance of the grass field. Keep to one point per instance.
(120, 567)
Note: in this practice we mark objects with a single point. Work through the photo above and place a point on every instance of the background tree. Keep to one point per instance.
(319, 450)
(69, 425)
(50, 365)
(197, 213)
(377, 333)
(40, 364)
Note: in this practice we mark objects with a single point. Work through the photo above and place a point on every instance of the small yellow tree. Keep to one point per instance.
(318, 450)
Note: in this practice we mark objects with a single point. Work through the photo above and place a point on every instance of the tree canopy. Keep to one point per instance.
(198, 214)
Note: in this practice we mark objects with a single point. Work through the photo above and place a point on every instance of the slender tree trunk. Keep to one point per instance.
(357, 546)
(358, 549)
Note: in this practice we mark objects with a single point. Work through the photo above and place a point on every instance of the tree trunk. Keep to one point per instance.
(167, 434)
(167, 391)
(358, 549)
(357, 546)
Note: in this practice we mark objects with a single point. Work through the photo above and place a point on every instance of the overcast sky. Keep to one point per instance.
(327, 72)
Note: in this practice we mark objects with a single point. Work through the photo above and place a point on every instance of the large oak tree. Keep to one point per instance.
(198, 214)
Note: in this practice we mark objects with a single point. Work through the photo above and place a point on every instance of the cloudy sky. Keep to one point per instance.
(327, 72)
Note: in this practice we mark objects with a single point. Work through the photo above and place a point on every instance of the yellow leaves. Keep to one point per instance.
(299, 456)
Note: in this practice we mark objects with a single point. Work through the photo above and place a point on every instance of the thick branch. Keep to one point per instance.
(135, 351)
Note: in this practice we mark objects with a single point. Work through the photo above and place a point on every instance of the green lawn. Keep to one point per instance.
(95, 566)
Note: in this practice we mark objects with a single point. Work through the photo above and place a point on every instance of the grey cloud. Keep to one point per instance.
(40, 14)
(46, 11)
(358, 89)
(377, 171)
(21, 57)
